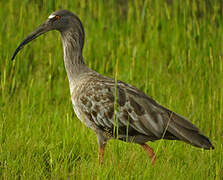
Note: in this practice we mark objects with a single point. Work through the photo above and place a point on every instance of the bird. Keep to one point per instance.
(111, 108)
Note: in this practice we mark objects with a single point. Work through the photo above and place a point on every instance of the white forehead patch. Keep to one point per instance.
(51, 16)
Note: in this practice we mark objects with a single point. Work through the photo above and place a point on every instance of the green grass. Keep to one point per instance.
(172, 50)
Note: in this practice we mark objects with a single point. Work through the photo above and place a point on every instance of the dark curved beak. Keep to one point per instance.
(40, 30)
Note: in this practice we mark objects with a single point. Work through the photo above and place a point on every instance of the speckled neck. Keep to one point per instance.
(73, 42)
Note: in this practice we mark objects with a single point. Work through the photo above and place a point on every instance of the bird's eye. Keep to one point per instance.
(57, 17)
(54, 17)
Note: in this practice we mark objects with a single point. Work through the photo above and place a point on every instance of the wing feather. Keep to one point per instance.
(107, 104)
(131, 110)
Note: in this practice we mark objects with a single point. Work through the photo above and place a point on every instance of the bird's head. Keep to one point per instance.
(62, 20)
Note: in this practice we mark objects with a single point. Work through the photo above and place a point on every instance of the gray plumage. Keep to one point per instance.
(113, 109)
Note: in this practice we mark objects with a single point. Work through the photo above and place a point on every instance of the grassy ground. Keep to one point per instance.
(172, 50)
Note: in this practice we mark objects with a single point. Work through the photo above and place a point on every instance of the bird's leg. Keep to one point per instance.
(150, 152)
(101, 147)
(101, 155)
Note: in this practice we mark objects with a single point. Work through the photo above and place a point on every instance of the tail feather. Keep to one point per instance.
(184, 130)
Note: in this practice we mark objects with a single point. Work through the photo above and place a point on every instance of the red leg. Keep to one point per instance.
(101, 147)
(150, 152)
(100, 155)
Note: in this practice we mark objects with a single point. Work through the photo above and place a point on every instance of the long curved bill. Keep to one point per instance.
(40, 30)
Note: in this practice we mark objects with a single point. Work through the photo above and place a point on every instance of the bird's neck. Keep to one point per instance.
(73, 59)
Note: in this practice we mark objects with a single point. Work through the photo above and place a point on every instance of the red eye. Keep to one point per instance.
(57, 17)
